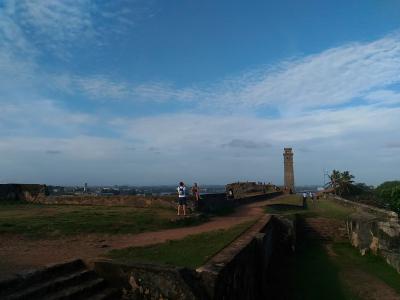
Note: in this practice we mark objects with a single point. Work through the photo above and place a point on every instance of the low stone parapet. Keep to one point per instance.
(120, 200)
(239, 271)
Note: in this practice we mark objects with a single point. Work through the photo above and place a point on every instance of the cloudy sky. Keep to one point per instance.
(153, 92)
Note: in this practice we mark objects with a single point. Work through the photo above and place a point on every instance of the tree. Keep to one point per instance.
(334, 180)
(395, 199)
(345, 183)
(388, 194)
(341, 182)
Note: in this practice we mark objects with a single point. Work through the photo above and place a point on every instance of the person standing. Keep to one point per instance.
(304, 200)
(181, 198)
(196, 195)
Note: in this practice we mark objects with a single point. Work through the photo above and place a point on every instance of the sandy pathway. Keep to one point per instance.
(18, 253)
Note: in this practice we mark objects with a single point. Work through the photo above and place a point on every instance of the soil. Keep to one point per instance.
(18, 253)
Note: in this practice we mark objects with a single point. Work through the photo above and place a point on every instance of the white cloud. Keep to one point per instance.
(384, 97)
(40, 117)
(187, 132)
(246, 144)
(333, 77)
(169, 148)
(57, 20)
(178, 144)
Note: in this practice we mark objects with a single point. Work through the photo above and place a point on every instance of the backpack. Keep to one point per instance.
(181, 191)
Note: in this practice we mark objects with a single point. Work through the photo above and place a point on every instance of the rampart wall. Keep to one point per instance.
(209, 203)
(374, 230)
(246, 189)
(239, 271)
(117, 200)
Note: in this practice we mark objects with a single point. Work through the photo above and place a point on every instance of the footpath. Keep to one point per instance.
(18, 253)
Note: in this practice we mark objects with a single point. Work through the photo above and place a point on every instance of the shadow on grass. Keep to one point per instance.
(285, 207)
(309, 273)
(314, 275)
(288, 209)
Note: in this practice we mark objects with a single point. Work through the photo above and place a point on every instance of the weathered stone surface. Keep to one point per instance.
(120, 200)
(242, 190)
(375, 230)
(148, 281)
(239, 271)
(70, 280)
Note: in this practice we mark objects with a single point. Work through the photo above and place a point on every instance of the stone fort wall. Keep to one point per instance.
(239, 271)
(374, 230)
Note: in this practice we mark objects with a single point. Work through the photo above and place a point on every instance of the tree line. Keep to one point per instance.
(386, 195)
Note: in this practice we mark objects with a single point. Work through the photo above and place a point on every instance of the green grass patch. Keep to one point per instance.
(349, 257)
(38, 221)
(316, 276)
(192, 251)
(330, 209)
(292, 204)
(288, 206)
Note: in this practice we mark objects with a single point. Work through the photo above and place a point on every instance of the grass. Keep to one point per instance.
(292, 204)
(192, 251)
(315, 276)
(349, 257)
(330, 209)
(39, 221)
(313, 273)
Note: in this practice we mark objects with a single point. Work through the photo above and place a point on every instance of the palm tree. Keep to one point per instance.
(340, 181)
(334, 180)
(346, 181)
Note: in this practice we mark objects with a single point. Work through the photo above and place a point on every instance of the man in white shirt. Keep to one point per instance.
(304, 200)
(181, 198)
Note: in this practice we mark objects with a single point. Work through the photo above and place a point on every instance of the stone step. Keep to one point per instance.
(82, 291)
(53, 285)
(30, 278)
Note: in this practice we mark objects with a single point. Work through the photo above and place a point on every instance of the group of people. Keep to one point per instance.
(310, 195)
(182, 199)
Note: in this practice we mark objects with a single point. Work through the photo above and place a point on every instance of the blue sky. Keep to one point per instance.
(154, 92)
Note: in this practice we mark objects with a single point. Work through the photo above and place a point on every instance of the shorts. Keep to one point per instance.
(182, 200)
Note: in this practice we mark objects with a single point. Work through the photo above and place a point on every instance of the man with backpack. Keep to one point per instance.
(181, 198)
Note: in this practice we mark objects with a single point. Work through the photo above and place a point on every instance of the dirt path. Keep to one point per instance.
(18, 253)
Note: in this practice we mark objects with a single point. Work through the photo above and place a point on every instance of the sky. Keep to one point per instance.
(147, 92)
